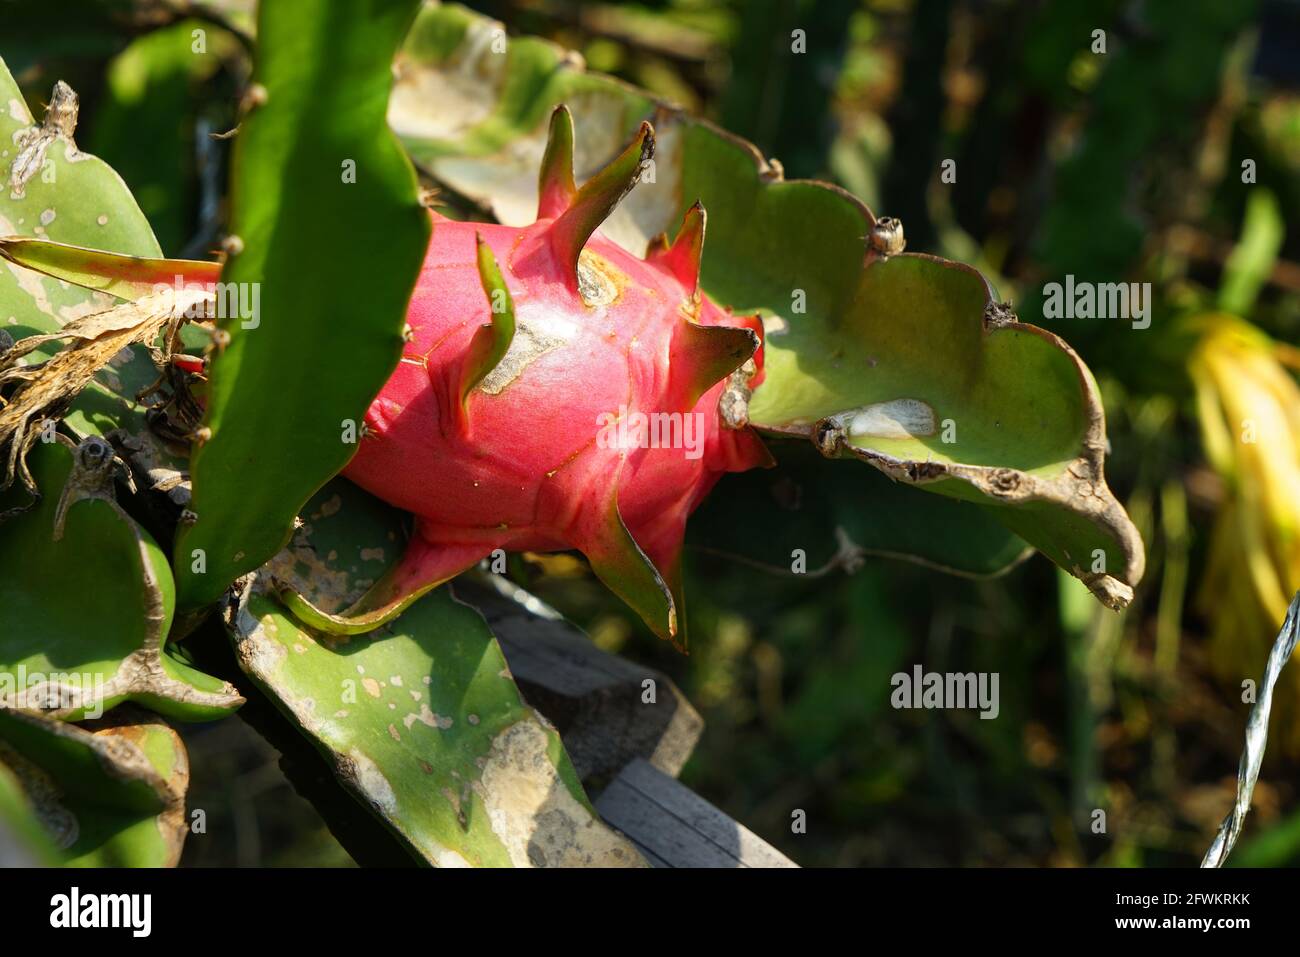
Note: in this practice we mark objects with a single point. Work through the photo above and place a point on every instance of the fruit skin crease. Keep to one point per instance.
(517, 454)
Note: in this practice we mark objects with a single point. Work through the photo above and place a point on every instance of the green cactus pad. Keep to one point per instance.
(420, 719)
(84, 616)
(109, 794)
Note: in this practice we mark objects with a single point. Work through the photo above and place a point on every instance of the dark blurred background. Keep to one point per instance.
(1122, 165)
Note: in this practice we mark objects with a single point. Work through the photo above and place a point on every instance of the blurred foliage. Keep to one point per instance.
(1127, 165)
(159, 91)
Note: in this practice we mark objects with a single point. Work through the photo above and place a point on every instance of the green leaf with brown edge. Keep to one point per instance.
(903, 361)
(108, 794)
(331, 258)
(420, 719)
(23, 841)
(159, 91)
(86, 601)
(946, 392)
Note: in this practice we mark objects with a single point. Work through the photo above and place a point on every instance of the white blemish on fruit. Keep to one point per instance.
(599, 282)
(537, 332)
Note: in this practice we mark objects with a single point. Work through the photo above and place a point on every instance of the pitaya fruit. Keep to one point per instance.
(544, 371)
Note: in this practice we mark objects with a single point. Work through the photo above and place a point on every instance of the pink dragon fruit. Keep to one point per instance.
(579, 398)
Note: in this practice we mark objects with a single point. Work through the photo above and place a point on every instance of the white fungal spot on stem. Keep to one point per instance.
(533, 813)
(370, 781)
(895, 419)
